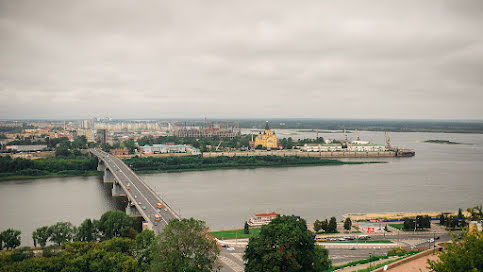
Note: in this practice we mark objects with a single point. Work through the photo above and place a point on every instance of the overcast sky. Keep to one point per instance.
(241, 59)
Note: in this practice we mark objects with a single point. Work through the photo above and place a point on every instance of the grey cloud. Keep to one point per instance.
(372, 59)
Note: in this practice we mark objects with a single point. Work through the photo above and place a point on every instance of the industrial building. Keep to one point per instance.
(204, 129)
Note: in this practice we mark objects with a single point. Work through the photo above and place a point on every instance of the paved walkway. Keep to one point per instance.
(366, 265)
(417, 265)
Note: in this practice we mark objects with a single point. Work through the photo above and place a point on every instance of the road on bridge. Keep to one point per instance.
(140, 194)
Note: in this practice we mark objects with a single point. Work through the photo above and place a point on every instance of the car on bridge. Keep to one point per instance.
(159, 206)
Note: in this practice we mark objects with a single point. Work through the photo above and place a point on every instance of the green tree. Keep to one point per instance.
(10, 238)
(452, 222)
(409, 224)
(442, 219)
(41, 236)
(106, 147)
(246, 228)
(184, 245)
(285, 244)
(87, 232)
(332, 227)
(321, 259)
(476, 213)
(62, 150)
(61, 232)
(144, 239)
(317, 225)
(144, 246)
(115, 224)
(325, 225)
(461, 255)
(347, 223)
(130, 145)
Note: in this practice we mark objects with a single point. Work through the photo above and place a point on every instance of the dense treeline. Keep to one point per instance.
(46, 166)
(328, 226)
(198, 162)
(375, 125)
(107, 244)
(111, 244)
(84, 165)
(418, 223)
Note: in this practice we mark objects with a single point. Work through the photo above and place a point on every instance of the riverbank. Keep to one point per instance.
(235, 167)
(441, 142)
(65, 167)
(52, 175)
(198, 163)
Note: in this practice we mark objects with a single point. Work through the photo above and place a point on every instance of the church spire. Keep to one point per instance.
(266, 126)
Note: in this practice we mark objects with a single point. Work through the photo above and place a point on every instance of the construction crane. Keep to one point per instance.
(216, 149)
(388, 140)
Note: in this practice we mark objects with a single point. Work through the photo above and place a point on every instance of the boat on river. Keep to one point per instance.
(262, 219)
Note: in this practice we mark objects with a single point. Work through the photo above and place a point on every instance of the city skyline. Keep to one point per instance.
(317, 60)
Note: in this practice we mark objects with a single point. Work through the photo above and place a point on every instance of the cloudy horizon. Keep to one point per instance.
(234, 59)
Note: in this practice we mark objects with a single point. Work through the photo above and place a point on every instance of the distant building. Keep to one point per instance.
(26, 147)
(338, 147)
(119, 151)
(321, 147)
(193, 150)
(102, 136)
(162, 148)
(267, 139)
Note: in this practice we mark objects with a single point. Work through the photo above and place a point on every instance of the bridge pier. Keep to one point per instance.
(100, 165)
(132, 211)
(117, 189)
(147, 225)
(108, 176)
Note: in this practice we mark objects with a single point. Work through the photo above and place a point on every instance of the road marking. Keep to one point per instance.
(239, 256)
(231, 264)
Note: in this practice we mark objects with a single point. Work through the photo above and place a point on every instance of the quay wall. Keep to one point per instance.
(336, 154)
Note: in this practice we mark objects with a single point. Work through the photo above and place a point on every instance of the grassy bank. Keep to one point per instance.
(53, 175)
(234, 234)
(197, 163)
(11, 169)
(20, 168)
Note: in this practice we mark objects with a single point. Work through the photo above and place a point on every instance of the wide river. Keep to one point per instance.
(440, 177)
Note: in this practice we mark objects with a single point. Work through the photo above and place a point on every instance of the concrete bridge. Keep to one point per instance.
(142, 200)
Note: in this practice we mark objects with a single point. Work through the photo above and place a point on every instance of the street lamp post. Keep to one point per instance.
(370, 260)
(434, 242)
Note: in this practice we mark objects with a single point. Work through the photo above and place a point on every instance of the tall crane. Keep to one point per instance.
(388, 140)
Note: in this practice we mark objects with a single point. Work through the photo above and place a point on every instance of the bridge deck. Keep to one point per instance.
(140, 194)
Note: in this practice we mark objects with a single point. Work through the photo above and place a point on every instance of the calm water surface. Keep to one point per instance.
(440, 177)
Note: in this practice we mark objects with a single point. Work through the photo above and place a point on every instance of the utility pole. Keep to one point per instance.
(370, 260)
(434, 242)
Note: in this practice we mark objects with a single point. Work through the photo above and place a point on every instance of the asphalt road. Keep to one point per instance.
(232, 262)
(143, 197)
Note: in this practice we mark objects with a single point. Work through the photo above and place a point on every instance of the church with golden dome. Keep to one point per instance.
(267, 139)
